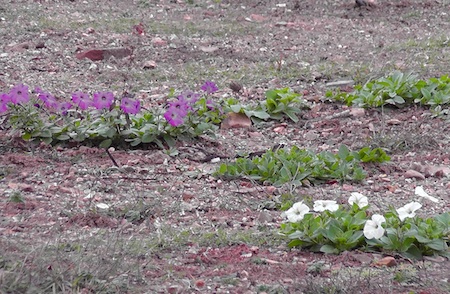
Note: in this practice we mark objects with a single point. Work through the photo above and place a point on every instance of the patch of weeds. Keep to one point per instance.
(298, 165)
(406, 274)
(345, 280)
(16, 197)
(399, 89)
(101, 263)
(275, 289)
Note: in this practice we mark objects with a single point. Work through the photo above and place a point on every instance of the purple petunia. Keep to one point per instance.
(103, 100)
(19, 94)
(82, 100)
(181, 105)
(63, 107)
(209, 87)
(4, 99)
(48, 99)
(174, 116)
(190, 97)
(130, 106)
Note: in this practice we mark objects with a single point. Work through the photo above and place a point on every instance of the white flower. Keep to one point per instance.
(322, 205)
(359, 199)
(297, 212)
(409, 210)
(421, 192)
(373, 228)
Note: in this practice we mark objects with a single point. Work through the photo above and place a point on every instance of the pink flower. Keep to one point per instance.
(103, 100)
(209, 87)
(130, 106)
(82, 100)
(174, 116)
(4, 100)
(19, 94)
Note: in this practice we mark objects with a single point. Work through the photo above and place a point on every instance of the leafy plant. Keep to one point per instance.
(106, 120)
(399, 89)
(279, 103)
(297, 165)
(333, 229)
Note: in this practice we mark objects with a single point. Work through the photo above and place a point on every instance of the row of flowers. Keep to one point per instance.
(372, 229)
(175, 114)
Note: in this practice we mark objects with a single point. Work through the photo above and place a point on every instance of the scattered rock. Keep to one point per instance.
(414, 174)
(388, 261)
(104, 54)
(149, 64)
(235, 120)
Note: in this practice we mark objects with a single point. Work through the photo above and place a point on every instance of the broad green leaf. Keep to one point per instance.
(105, 144)
(329, 249)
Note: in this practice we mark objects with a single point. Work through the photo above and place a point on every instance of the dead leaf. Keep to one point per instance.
(235, 120)
(388, 261)
(209, 49)
(414, 174)
(257, 17)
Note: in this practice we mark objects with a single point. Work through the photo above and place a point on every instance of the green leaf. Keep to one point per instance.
(148, 138)
(438, 245)
(169, 140)
(329, 249)
(26, 136)
(105, 144)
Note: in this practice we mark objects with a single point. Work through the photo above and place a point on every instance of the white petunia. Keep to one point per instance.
(409, 210)
(373, 228)
(359, 199)
(297, 212)
(322, 205)
(421, 192)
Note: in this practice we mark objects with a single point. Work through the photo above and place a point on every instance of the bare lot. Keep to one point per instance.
(172, 227)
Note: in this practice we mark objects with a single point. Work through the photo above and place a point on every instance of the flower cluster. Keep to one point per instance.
(372, 229)
(19, 94)
(180, 108)
(330, 228)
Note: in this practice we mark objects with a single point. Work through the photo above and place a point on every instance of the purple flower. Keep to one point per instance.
(209, 87)
(4, 99)
(82, 100)
(63, 107)
(19, 94)
(174, 116)
(48, 99)
(130, 106)
(190, 97)
(103, 100)
(210, 104)
(181, 105)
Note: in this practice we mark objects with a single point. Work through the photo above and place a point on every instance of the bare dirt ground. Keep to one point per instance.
(170, 226)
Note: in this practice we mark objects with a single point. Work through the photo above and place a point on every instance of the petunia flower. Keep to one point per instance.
(19, 94)
(174, 116)
(82, 100)
(130, 106)
(103, 100)
(4, 100)
(209, 87)
(190, 97)
(322, 205)
(181, 105)
(409, 210)
(63, 107)
(359, 199)
(297, 212)
(373, 228)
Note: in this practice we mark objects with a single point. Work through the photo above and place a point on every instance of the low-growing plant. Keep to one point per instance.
(297, 165)
(332, 228)
(106, 120)
(279, 103)
(399, 89)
